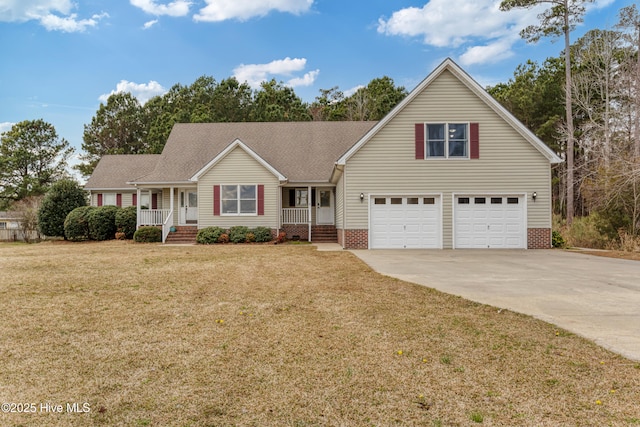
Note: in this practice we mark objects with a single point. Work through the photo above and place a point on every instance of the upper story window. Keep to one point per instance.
(239, 199)
(447, 140)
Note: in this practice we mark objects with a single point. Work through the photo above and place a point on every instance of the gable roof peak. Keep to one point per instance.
(450, 65)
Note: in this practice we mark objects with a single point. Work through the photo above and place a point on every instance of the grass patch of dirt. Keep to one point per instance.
(280, 335)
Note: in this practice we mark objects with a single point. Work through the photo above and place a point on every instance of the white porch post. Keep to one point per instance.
(138, 200)
(309, 199)
(171, 201)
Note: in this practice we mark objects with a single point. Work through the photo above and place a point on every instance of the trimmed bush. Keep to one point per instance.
(126, 221)
(250, 238)
(148, 234)
(102, 223)
(238, 234)
(262, 234)
(76, 224)
(209, 235)
(557, 241)
(224, 238)
(63, 197)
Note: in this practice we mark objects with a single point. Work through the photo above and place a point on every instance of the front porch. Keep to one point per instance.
(304, 213)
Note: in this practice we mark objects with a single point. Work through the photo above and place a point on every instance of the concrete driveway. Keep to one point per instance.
(595, 297)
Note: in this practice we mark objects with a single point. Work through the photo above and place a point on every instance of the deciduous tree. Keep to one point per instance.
(557, 21)
(32, 157)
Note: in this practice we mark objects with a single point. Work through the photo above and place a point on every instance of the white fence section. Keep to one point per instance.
(166, 226)
(16, 235)
(153, 216)
(295, 215)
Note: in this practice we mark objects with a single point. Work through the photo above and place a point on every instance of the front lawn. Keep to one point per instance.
(263, 335)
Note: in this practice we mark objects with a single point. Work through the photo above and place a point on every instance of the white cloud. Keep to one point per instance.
(175, 8)
(347, 93)
(70, 24)
(306, 80)
(456, 23)
(149, 24)
(54, 15)
(491, 52)
(5, 126)
(222, 10)
(254, 74)
(142, 91)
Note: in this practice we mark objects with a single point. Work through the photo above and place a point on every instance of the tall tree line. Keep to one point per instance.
(124, 126)
(604, 91)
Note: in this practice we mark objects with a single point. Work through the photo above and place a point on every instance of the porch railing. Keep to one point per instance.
(295, 215)
(153, 216)
(166, 226)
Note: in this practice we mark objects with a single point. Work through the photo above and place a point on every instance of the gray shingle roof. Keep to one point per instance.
(115, 170)
(301, 151)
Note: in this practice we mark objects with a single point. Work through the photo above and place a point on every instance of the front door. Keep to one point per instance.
(324, 206)
(188, 207)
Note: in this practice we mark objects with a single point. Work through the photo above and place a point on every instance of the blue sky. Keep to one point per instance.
(61, 58)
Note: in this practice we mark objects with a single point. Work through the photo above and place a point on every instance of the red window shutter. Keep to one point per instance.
(260, 199)
(474, 149)
(99, 199)
(419, 140)
(119, 200)
(154, 201)
(134, 201)
(216, 200)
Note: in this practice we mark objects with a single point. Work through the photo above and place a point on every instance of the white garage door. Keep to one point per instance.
(489, 222)
(411, 222)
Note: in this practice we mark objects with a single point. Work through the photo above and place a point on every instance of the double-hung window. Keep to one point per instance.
(447, 140)
(108, 199)
(239, 199)
(302, 198)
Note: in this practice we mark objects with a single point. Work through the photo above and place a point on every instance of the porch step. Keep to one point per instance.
(324, 234)
(183, 235)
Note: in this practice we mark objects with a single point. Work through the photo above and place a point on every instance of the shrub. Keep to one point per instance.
(557, 241)
(238, 234)
(126, 221)
(282, 237)
(76, 224)
(262, 234)
(102, 223)
(224, 238)
(148, 234)
(586, 232)
(120, 235)
(250, 238)
(209, 235)
(63, 197)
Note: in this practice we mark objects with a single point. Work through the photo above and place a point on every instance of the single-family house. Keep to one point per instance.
(448, 167)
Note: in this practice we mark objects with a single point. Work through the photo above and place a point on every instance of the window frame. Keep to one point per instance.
(106, 196)
(239, 200)
(298, 196)
(446, 141)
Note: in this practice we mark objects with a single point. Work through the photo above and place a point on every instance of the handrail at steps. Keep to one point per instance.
(166, 226)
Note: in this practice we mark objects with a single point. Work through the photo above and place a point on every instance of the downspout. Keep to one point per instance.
(344, 205)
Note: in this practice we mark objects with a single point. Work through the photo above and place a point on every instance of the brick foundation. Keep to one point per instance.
(354, 239)
(301, 230)
(538, 238)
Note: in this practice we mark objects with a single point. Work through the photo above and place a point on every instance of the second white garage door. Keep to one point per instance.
(489, 222)
(411, 222)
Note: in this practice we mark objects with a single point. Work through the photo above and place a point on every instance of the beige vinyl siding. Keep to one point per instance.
(238, 167)
(508, 164)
